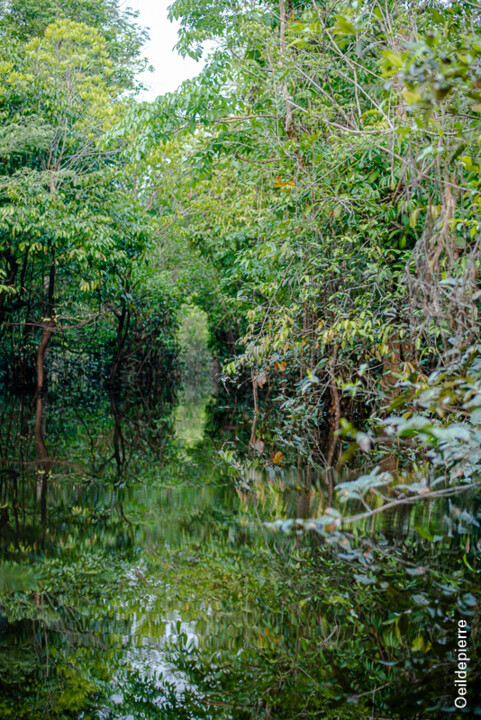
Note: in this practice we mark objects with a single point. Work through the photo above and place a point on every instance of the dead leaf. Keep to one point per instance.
(259, 445)
(261, 379)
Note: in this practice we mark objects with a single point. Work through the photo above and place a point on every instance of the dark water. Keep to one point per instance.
(140, 579)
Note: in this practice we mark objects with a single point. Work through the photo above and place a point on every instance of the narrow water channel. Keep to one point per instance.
(145, 583)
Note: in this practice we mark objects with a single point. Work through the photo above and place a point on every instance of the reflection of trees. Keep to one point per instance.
(118, 438)
(44, 462)
(280, 603)
(100, 443)
(79, 523)
(14, 426)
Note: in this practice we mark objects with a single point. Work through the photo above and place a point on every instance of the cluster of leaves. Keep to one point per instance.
(76, 234)
(331, 189)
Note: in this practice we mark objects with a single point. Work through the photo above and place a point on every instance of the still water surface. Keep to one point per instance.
(154, 589)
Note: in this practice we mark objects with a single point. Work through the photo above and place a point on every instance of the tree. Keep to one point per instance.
(22, 20)
(311, 181)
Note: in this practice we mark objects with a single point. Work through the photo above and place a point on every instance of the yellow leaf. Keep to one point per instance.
(418, 644)
(413, 218)
(277, 458)
(284, 184)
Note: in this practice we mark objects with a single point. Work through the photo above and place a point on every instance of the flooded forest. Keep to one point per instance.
(240, 363)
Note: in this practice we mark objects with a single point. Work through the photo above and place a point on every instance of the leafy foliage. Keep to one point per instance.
(309, 207)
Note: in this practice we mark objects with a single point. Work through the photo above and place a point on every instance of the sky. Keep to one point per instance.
(170, 68)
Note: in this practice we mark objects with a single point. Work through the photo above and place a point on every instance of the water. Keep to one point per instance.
(147, 584)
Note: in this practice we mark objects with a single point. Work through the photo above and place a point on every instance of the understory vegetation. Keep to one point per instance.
(265, 287)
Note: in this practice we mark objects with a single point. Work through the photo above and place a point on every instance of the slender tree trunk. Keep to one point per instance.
(48, 328)
(392, 367)
(252, 441)
(283, 9)
(44, 463)
(335, 412)
(122, 331)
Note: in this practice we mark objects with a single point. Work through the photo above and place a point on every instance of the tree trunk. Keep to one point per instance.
(122, 331)
(47, 324)
(285, 90)
(392, 367)
(44, 462)
(335, 411)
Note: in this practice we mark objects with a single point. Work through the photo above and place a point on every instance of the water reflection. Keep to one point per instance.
(159, 592)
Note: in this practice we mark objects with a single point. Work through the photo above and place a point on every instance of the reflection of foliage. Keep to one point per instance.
(15, 577)
(167, 598)
(299, 632)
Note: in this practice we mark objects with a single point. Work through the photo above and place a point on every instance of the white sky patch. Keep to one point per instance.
(170, 68)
